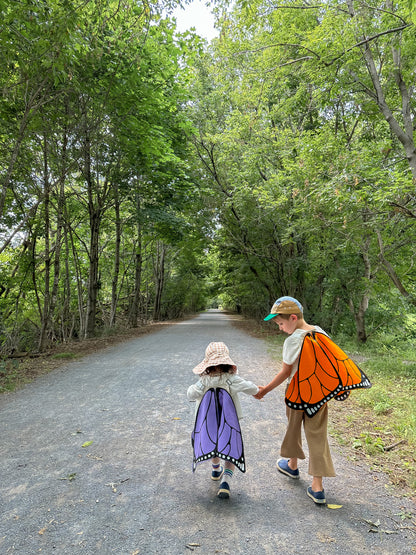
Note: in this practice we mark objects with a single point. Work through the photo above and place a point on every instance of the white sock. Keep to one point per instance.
(228, 474)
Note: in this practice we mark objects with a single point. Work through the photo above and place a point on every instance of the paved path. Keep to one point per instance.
(132, 490)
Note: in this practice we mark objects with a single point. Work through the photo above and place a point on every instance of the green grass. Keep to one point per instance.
(393, 394)
(9, 374)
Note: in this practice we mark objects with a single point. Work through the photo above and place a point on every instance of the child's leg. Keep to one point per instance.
(320, 460)
(317, 483)
(217, 469)
(291, 447)
(293, 463)
(224, 491)
(229, 471)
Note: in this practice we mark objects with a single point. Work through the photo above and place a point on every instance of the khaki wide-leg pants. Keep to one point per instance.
(320, 461)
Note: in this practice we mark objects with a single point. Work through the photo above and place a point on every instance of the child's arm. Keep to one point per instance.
(240, 385)
(279, 378)
(196, 391)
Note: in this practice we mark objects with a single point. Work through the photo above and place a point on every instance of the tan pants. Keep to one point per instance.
(320, 461)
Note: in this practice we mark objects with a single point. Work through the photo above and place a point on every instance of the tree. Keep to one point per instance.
(311, 151)
(93, 105)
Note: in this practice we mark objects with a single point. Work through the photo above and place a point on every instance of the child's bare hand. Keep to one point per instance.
(260, 394)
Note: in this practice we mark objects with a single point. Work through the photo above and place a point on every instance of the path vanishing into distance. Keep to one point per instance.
(95, 458)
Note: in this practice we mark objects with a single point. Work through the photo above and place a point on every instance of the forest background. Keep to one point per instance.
(147, 174)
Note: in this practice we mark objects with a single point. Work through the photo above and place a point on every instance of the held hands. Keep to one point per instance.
(261, 393)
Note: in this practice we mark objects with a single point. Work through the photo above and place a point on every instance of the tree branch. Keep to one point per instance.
(367, 40)
(392, 273)
(404, 209)
(362, 42)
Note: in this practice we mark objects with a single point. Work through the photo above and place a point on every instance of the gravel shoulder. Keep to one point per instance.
(96, 458)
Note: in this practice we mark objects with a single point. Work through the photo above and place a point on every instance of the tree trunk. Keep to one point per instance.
(134, 309)
(404, 134)
(359, 314)
(359, 317)
(93, 279)
(114, 285)
(159, 279)
(65, 312)
(46, 294)
(59, 231)
(95, 215)
(34, 102)
(80, 288)
(57, 260)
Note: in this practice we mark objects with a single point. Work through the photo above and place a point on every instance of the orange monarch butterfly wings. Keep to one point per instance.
(324, 372)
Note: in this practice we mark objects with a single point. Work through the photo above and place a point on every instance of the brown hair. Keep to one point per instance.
(220, 369)
(287, 316)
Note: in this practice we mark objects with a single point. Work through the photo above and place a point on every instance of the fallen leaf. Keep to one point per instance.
(70, 477)
(332, 506)
(380, 531)
(177, 418)
(43, 530)
(376, 523)
(87, 443)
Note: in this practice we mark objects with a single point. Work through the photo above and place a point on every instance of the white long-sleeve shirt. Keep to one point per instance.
(232, 383)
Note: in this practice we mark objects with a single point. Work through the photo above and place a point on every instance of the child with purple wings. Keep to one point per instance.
(217, 433)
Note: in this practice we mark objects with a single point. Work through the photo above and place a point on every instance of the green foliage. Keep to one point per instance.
(131, 157)
(369, 444)
(315, 197)
(93, 159)
(9, 375)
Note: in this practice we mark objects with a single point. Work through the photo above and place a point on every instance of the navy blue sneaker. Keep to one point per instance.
(284, 468)
(217, 474)
(317, 496)
(224, 491)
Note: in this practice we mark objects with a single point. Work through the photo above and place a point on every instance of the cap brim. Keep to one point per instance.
(270, 316)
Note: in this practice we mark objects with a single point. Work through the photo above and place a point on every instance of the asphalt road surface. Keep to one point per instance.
(95, 458)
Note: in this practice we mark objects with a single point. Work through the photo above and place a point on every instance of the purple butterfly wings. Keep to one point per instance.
(217, 431)
(204, 436)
